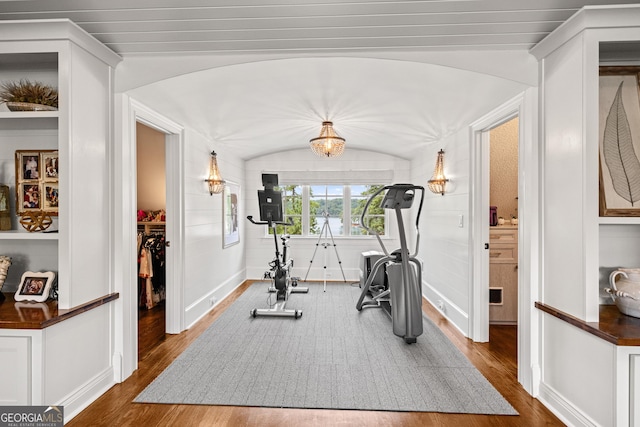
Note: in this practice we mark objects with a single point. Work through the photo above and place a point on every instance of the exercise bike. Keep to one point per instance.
(270, 202)
(401, 296)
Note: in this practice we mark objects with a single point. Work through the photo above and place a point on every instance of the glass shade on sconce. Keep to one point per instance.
(329, 143)
(216, 183)
(437, 182)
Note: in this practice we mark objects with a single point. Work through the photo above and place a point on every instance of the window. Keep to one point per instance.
(292, 209)
(326, 206)
(374, 219)
(340, 207)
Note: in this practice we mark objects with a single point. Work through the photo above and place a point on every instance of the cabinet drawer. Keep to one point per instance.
(503, 235)
(503, 253)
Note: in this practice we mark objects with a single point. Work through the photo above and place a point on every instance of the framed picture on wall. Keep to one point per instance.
(230, 201)
(619, 141)
(37, 181)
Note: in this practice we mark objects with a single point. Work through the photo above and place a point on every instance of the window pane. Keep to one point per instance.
(326, 205)
(374, 219)
(292, 209)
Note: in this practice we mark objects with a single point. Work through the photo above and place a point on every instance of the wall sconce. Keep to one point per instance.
(437, 182)
(216, 183)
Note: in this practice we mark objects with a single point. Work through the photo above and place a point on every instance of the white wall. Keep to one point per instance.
(578, 372)
(444, 245)
(151, 169)
(260, 249)
(209, 271)
(563, 180)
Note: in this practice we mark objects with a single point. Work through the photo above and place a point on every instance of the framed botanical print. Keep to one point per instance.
(230, 232)
(37, 181)
(619, 141)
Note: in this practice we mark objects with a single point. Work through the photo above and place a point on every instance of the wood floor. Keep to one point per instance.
(496, 360)
(151, 328)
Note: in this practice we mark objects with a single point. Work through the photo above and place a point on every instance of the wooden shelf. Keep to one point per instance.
(613, 326)
(150, 225)
(39, 315)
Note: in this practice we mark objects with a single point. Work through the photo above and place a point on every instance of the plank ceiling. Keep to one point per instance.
(131, 27)
(259, 76)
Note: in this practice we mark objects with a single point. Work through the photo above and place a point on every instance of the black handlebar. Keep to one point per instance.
(269, 223)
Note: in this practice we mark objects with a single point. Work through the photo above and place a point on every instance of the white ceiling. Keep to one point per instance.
(178, 26)
(275, 70)
(380, 105)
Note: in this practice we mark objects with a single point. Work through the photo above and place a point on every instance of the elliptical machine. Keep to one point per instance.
(401, 298)
(270, 203)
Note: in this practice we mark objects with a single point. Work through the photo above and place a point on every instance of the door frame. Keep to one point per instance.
(523, 106)
(125, 226)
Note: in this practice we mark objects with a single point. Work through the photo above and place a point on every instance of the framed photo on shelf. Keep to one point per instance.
(49, 161)
(29, 197)
(230, 200)
(37, 181)
(50, 196)
(619, 141)
(35, 286)
(28, 165)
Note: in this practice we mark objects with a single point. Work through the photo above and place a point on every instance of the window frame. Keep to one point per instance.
(346, 213)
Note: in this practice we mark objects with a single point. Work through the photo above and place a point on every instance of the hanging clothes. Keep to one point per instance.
(151, 269)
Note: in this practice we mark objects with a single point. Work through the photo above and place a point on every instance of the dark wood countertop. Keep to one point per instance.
(39, 315)
(613, 326)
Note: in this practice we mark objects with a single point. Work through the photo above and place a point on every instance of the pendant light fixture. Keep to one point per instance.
(329, 143)
(216, 183)
(438, 181)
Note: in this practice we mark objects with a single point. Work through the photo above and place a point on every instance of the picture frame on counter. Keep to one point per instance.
(35, 286)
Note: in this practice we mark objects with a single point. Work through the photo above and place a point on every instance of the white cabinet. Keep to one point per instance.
(634, 390)
(503, 275)
(68, 360)
(15, 352)
(59, 53)
(578, 245)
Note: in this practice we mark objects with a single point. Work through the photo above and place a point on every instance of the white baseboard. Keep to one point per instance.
(451, 311)
(85, 395)
(563, 409)
(199, 309)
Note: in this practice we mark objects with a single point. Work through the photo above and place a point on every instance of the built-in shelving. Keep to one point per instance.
(25, 235)
(620, 220)
(28, 114)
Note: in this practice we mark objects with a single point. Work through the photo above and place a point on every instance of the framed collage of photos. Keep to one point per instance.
(37, 181)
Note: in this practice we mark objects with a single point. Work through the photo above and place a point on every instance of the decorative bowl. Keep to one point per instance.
(625, 290)
(35, 221)
(28, 106)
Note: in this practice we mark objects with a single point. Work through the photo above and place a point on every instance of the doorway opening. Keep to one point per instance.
(151, 216)
(524, 250)
(503, 235)
(503, 223)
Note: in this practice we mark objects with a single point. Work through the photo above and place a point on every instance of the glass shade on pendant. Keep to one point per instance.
(329, 143)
